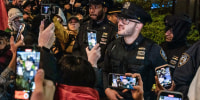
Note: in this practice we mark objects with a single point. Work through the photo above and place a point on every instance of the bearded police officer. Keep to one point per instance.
(105, 33)
(98, 21)
(132, 53)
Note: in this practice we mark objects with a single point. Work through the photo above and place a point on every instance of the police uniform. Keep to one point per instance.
(187, 66)
(106, 32)
(142, 56)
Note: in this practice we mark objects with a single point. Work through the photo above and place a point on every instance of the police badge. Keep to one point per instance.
(184, 58)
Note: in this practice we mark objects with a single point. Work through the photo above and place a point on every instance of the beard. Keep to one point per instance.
(97, 17)
(126, 31)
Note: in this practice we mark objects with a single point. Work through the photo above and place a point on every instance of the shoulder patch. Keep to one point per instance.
(163, 55)
(184, 59)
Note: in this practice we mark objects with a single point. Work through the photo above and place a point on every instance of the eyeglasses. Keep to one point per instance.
(126, 21)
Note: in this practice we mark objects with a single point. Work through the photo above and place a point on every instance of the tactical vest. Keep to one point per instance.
(133, 61)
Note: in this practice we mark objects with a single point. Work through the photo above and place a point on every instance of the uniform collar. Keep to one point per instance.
(134, 44)
(95, 24)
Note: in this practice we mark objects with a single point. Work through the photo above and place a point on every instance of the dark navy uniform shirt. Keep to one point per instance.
(106, 32)
(143, 56)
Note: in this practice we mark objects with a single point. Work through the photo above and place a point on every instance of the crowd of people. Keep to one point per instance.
(70, 70)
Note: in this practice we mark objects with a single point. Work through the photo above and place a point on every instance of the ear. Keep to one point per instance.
(108, 17)
(139, 26)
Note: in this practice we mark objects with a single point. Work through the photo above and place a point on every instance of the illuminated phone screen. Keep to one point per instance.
(169, 98)
(164, 77)
(92, 39)
(122, 81)
(27, 66)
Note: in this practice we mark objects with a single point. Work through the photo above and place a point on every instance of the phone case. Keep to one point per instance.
(164, 75)
(169, 95)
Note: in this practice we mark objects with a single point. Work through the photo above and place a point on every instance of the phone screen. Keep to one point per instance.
(169, 95)
(164, 76)
(121, 81)
(92, 39)
(27, 66)
(45, 9)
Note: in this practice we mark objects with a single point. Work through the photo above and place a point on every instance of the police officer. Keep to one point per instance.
(132, 53)
(114, 12)
(177, 27)
(187, 66)
(106, 31)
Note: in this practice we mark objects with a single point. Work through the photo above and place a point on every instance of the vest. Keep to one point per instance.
(133, 61)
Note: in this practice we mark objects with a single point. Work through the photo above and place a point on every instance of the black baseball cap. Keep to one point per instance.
(73, 17)
(133, 11)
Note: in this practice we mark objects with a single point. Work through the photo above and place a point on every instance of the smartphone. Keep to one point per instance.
(121, 81)
(164, 76)
(169, 95)
(28, 58)
(18, 37)
(92, 38)
(45, 9)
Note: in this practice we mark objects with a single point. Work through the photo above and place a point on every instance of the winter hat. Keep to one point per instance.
(12, 14)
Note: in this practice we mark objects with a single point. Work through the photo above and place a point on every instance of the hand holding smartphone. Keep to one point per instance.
(164, 76)
(92, 38)
(121, 81)
(27, 65)
(169, 95)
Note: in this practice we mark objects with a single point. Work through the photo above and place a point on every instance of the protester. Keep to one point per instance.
(177, 27)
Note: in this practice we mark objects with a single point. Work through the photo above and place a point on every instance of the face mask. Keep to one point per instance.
(16, 24)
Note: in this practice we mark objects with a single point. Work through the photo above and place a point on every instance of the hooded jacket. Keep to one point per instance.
(180, 25)
(66, 92)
